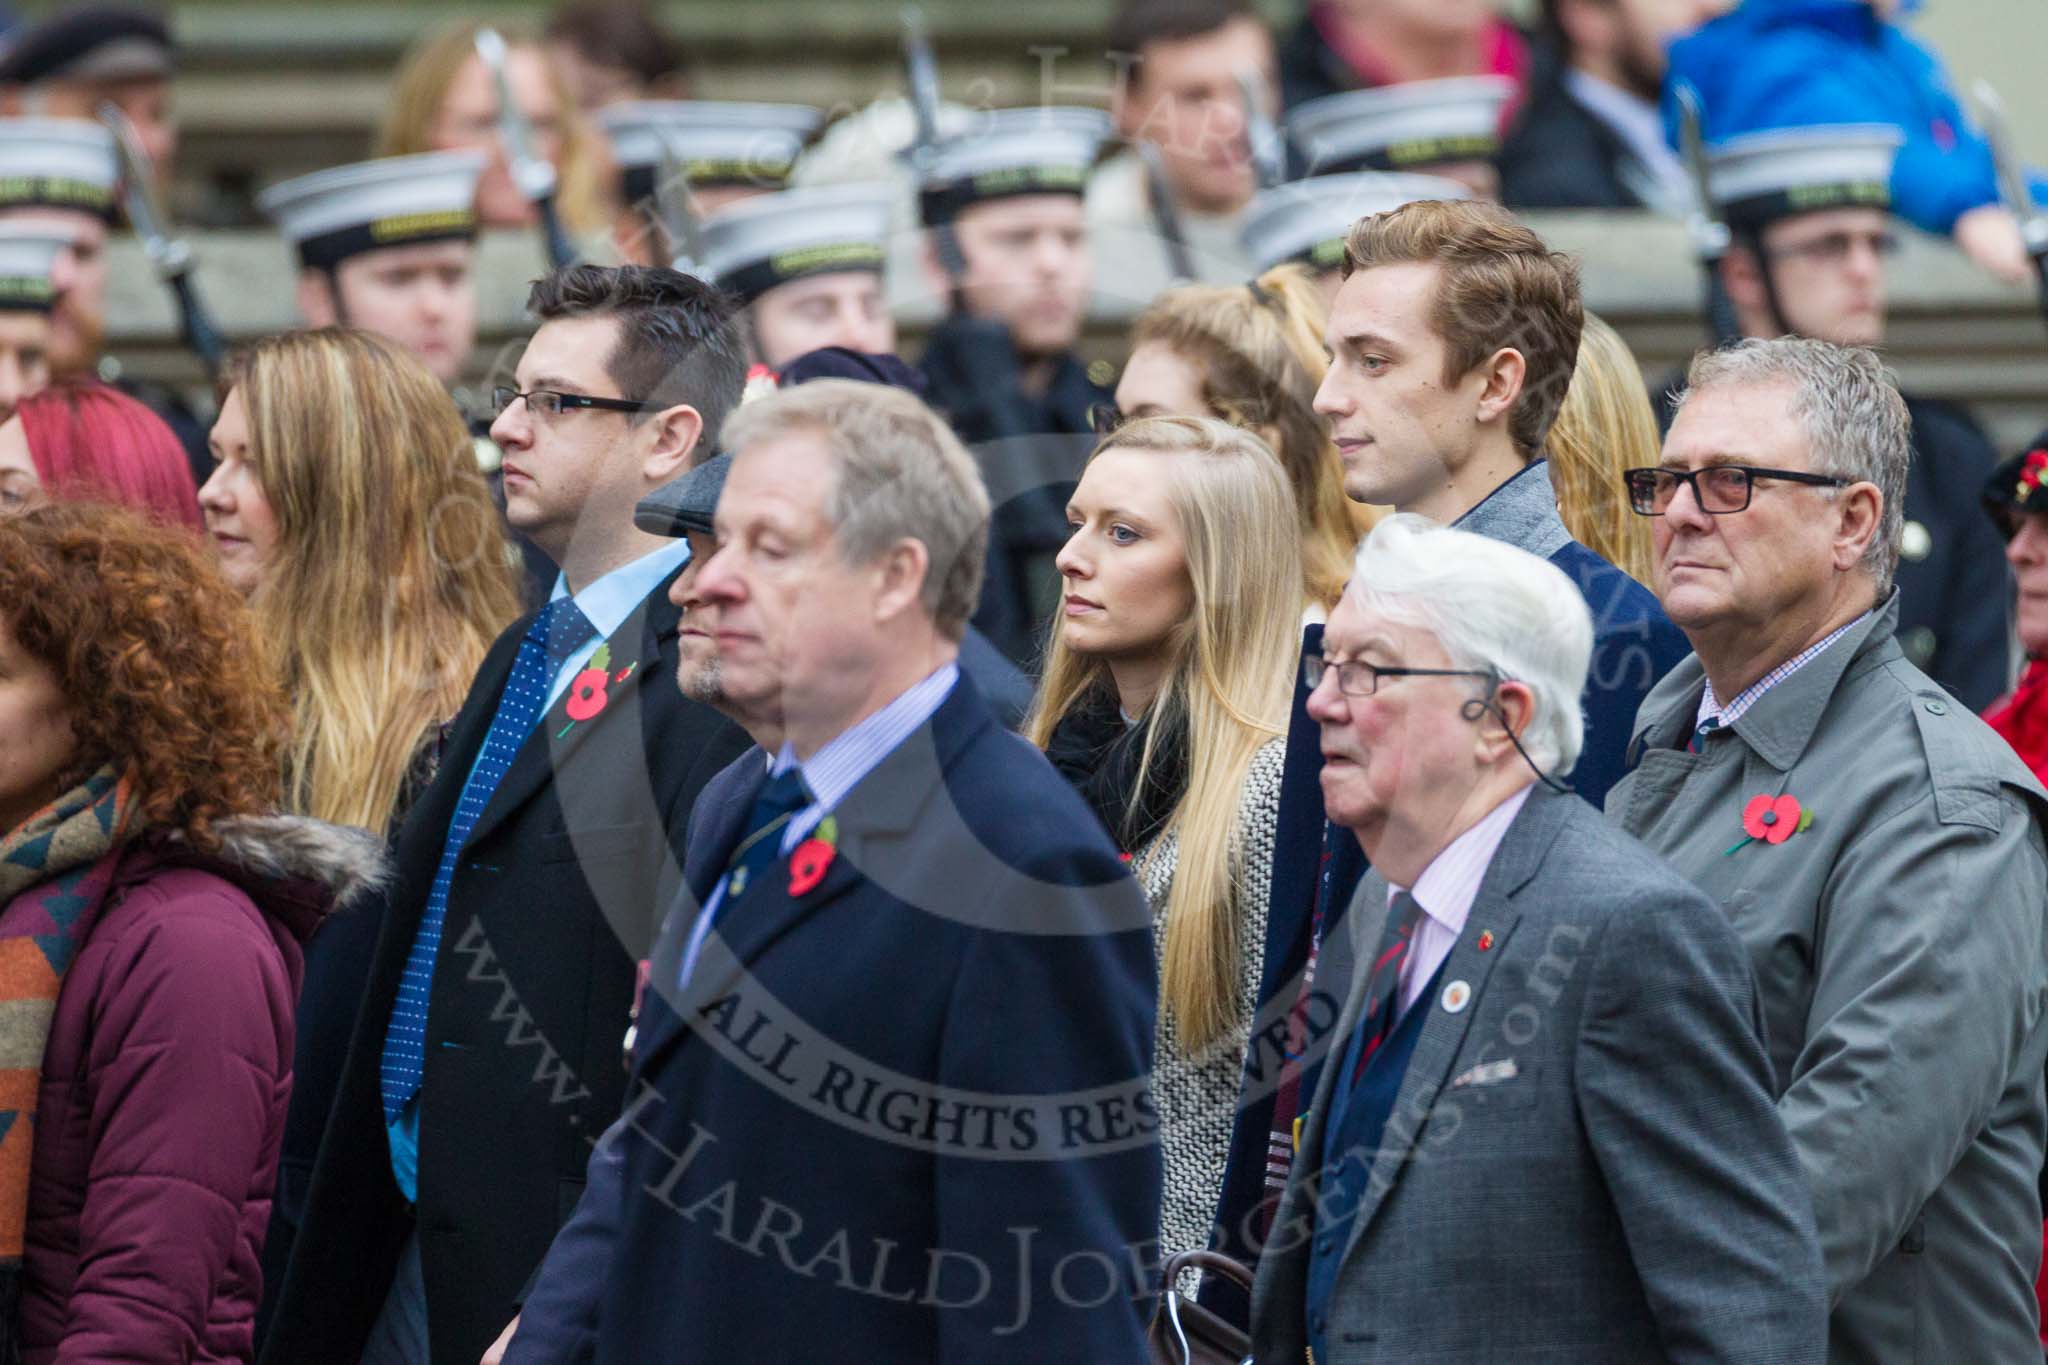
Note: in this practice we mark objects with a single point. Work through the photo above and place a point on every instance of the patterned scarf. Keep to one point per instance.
(54, 873)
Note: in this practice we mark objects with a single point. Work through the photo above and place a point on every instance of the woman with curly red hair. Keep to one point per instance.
(151, 910)
(87, 441)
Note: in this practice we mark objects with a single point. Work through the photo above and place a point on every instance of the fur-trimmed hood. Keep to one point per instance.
(296, 868)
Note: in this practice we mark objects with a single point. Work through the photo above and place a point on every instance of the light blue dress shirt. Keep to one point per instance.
(606, 603)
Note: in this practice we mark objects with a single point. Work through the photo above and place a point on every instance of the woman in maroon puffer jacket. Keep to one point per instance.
(150, 917)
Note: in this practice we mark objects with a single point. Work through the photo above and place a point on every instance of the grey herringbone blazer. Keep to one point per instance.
(1584, 1163)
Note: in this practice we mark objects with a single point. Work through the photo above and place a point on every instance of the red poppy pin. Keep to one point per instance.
(2032, 471)
(1773, 819)
(589, 690)
(813, 858)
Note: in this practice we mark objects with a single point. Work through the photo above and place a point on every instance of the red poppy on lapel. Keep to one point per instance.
(1773, 819)
(808, 865)
(587, 696)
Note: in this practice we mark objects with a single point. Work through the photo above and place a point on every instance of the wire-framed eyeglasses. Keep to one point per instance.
(1356, 678)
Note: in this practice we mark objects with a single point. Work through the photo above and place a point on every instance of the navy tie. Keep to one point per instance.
(760, 847)
(556, 634)
(1698, 742)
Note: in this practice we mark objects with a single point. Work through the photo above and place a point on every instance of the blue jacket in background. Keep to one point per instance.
(1799, 63)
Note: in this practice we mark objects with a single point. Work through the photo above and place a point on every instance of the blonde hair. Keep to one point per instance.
(1605, 426)
(430, 66)
(1260, 350)
(391, 575)
(1229, 680)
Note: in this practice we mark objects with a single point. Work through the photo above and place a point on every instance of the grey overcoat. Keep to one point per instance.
(1901, 950)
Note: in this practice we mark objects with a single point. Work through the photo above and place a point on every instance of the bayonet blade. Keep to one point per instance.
(2012, 180)
(1267, 144)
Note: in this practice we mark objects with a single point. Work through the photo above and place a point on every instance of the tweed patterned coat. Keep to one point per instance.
(1197, 1095)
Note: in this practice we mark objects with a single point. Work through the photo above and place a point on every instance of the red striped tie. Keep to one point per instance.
(1383, 985)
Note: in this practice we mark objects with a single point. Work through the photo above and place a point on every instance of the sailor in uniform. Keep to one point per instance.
(28, 264)
(1809, 213)
(807, 264)
(1008, 249)
(390, 246)
(715, 152)
(59, 175)
(1305, 221)
(1448, 128)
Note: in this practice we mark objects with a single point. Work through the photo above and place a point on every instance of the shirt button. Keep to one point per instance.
(1325, 1244)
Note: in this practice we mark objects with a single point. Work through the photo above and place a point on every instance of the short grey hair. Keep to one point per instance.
(903, 475)
(1494, 608)
(1856, 423)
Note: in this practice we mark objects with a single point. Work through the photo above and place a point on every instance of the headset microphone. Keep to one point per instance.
(1482, 706)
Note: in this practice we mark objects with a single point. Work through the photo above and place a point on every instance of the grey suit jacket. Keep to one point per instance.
(1901, 948)
(1583, 1163)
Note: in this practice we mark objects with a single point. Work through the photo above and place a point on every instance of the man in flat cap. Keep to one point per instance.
(67, 65)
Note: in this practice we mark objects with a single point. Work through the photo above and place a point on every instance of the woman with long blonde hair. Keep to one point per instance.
(348, 510)
(1165, 698)
(1252, 355)
(444, 99)
(1605, 426)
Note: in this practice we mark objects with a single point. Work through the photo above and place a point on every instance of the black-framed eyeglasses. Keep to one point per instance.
(1356, 678)
(1104, 418)
(553, 402)
(1718, 489)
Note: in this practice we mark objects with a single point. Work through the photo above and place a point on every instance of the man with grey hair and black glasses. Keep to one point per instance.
(1546, 1072)
(1875, 845)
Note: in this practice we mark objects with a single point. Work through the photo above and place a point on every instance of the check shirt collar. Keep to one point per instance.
(1711, 707)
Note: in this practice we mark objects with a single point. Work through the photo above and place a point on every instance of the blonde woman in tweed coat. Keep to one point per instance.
(1165, 698)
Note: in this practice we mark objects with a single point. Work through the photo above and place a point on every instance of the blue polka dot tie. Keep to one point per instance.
(1700, 736)
(558, 632)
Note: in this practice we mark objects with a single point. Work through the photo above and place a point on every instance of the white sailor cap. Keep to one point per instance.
(715, 142)
(28, 256)
(1043, 149)
(62, 163)
(1758, 178)
(1406, 127)
(750, 247)
(1308, 220)
(344, 211)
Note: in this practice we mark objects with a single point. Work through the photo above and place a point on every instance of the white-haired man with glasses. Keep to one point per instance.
(1545, 1125)
(1873, 843)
